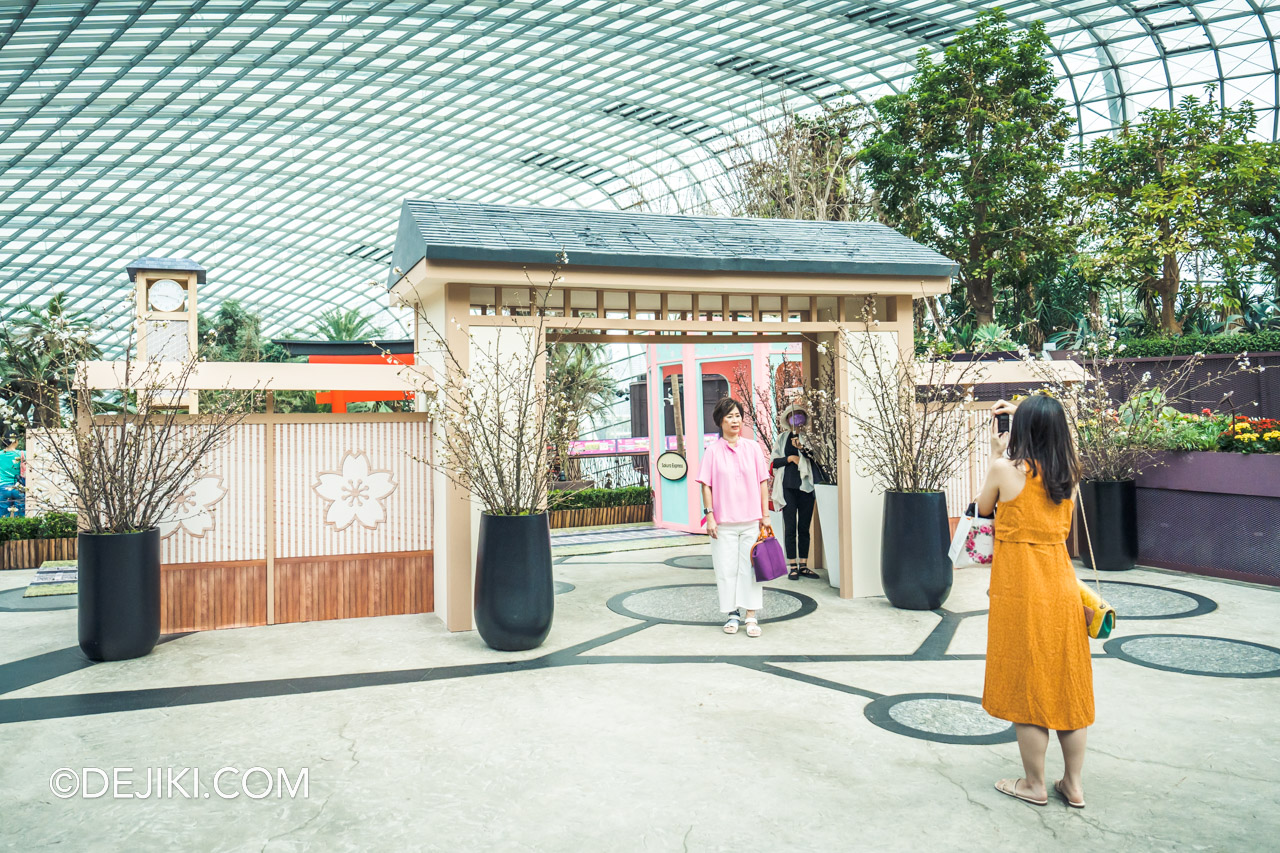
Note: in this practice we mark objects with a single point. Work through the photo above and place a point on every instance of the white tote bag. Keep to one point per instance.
(974, 542)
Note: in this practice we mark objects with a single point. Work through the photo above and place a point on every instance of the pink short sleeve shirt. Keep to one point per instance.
(734, 475)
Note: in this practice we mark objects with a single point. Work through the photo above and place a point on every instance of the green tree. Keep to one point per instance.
(234, 333)
(1263, 207)
(348, 325)
(1167, 192)
(37, 352)
(967, 160)
(580, 388)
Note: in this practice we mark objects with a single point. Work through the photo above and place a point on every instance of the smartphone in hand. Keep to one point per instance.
(1002, 423)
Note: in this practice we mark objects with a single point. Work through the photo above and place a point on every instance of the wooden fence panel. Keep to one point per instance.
(597, 516)
(30, 553)
(309, 589)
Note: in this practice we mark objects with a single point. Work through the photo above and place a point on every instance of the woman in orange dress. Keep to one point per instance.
(1039, 672)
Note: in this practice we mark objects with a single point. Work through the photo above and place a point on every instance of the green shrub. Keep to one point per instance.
(1192, 344)
(592, 498)
(12, 529)
(58, 525)
(53, 525)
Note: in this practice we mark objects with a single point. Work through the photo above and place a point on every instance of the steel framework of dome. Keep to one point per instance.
(273, 140)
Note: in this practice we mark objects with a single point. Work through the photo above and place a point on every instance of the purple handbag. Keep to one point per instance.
(767, 557)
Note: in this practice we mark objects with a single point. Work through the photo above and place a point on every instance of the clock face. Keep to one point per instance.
(167, 295)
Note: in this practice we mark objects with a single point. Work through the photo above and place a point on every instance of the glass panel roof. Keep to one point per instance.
(273, 140)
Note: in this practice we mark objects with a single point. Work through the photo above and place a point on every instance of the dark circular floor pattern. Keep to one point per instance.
(11, 601)
(697, 604)
(939, 717)
(1143, 601)
(562, 587)
(690, 561)
(1211, 656)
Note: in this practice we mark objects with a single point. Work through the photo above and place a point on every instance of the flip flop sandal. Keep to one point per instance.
(731, 627)
(806, 572)
(1012, 791)
(1075, 804)
(753, 627)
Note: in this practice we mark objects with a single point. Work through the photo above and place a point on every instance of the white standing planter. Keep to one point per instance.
(827, 500)
(779, 526)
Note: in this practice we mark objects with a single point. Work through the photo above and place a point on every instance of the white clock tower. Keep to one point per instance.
(166, 307)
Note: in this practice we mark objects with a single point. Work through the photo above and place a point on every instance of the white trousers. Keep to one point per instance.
(731, 557)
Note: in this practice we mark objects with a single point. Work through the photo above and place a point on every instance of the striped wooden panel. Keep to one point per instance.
(205, 596)
(239, 515)
(347, 586)
(305, 450)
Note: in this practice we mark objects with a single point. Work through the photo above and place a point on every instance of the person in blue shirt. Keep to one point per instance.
(13, 499)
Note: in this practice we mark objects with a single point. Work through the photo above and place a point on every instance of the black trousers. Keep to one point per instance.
(799, 508)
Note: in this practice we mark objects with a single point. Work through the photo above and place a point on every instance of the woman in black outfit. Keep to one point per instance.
(793, 487)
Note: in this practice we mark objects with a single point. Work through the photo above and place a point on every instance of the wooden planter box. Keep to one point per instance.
(601, 515)
(1213, 514)
(30, 553)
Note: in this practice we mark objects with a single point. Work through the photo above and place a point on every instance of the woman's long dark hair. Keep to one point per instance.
(1039, 436)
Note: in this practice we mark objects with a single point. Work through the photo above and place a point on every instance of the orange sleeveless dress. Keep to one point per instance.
(1039, 669)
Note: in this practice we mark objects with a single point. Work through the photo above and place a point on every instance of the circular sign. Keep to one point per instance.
(672, 466)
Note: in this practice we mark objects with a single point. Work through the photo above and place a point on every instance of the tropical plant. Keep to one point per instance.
(1177, 430)
(992, 337)
(967, 160)
(38, 352)
(1263, 208)
(1167, 191)
(234, 333)
(578, 378)
(349, 325)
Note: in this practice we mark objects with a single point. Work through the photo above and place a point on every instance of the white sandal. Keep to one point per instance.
(731, 627)
(753, 627)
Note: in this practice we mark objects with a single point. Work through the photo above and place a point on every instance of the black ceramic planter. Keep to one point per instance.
(914, 567)
(1111, 510)
(119, 594)
(515, 596)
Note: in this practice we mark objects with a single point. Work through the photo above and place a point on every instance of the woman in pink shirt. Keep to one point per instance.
(735, 498)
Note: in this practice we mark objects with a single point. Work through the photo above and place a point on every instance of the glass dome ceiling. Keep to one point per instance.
(272, 141)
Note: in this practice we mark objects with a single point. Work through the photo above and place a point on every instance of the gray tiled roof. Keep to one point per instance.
(166, 265)
(461, 231)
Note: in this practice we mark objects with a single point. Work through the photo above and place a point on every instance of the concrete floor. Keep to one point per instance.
(622, 734)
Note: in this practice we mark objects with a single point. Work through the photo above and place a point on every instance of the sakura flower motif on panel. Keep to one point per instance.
(355, 493)
(192, 510)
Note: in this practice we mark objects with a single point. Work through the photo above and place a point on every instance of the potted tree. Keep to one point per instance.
(124, 462)
(1116, 417)
(494, 427)
(909, 433)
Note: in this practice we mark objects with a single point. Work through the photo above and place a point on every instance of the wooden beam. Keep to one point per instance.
(752, 338)
(695, 326)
